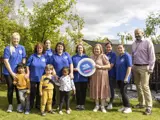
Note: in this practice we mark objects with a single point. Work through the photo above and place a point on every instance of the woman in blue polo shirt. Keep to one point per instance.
(13, 55)
(123, 74)
(35, 69)
(61, 59)
(79, 80)
(112, 71)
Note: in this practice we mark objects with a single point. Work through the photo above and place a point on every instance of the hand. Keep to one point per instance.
(40, 93)
(28, 91)
(74, 92)
(14, 83)
(98, 66)
(75, 69)
(14, 75)
(150, 71)
(56, 77)
(71, 75)
(125, 80)
(26, 76)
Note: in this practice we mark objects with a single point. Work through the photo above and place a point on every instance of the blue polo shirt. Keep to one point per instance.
(36, 66)
(112, 59)
(48, 55)
(122, 63)
(78, 77)
(60, 61)
(14, 59)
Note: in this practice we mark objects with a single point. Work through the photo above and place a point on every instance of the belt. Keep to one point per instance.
(141, 64)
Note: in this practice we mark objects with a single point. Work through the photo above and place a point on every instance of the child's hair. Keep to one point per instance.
(21, 65)
(66, 68)
(49, 67)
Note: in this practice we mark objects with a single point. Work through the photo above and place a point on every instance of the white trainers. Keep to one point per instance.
(127, 110)
(109, 107)
(103, 109)
(10, 108)
(19, 108)
(121, 109)
(60, 112)
(68, 112)
(96, 108)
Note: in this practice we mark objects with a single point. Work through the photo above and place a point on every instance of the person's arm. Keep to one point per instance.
(40, 86)
(128, 72)
(28, 85)
(71, 71)
(73, 87)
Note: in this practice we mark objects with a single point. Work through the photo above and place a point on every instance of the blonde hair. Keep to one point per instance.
(49, 67)
(12, 48)
(100, 46)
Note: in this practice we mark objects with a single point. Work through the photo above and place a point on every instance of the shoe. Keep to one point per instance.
(26, 113)
(43, 113)
(68, 112)
(103, 109)
(127, 110)
(57, 108)
(148, 111)
(60, 112)
(19, 108)
(96, 108)
(139, 106)
(109, 107)
(82, 107)
(51, 112)
(10, 108)
(77, 107)
(121, 109)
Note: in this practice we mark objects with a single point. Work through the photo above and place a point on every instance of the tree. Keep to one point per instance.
(125, 37)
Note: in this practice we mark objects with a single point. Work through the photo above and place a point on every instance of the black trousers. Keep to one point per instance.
(11, 87)
(123, 92)
(34, 86)
(54, 97)
(112, 84)
(64, 96)
(81, 89)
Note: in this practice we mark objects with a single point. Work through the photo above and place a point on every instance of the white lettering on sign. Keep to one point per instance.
(85, 66)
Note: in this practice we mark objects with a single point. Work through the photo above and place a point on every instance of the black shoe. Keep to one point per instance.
(139, 106)
(148, 111)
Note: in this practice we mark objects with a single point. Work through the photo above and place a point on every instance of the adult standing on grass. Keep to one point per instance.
(79, 80)
(13, 55)
(143, 60)
(123, 74)
(112, 72)
(61, 59)
(99, 83)
(35, 69)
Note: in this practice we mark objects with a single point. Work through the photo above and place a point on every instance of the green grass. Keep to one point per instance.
(77, 115)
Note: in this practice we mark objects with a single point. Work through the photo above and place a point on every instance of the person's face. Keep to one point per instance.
(65, 72)
(60, 48)
(80, 49)
(48, 44)
(120, 49)
(15, 40)
(97, 50)
(39, 49)
(48, 71)
(21, 70)
(108, 48)
(138, 34)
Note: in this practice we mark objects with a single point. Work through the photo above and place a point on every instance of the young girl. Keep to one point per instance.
(23, 86)
(46, 89)
(66, 85)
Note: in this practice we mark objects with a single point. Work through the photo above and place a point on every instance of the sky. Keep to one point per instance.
(106, 18)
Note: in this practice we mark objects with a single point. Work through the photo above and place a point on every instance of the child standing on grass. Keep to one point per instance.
(66, 85)
(23, 85)
(46, 89)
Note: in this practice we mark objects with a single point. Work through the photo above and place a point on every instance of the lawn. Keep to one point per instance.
(77, 115)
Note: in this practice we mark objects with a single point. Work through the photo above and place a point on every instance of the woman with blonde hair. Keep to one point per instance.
(13, 55)
(99, 83)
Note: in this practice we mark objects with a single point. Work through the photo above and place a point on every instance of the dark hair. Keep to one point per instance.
(67, 68)
(46, 41)
(60, 43)
(21, 65)
(39, 44)
(84, 51)
(108, 43)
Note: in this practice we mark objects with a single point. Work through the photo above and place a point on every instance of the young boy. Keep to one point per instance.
(46, 89)
(23, 85)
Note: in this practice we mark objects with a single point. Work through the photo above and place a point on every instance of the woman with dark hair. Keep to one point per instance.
(35, 69)
(79, 80)
(13, 55)
(112, 71)
(61, 59)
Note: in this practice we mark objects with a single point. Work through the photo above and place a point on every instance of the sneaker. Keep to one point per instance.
(82, 107)
(109, 107)
(26, 113)
(127, 110)
(148, 111)
(60, 112)
(121, 109)
(139, 106)
(96, 108)
(10, 108)
(77, 107)
(19, 108)
(103, 109)
(68, 112)
(43, 113)
(51, 112)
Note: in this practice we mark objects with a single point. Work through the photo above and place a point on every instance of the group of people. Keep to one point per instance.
(49, 75)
